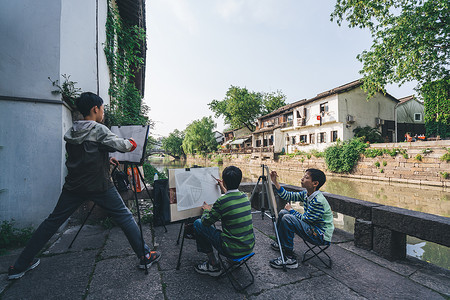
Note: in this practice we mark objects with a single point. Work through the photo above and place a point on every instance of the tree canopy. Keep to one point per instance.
(241, 108)
(410, 39)
(173, 143)
(199, 136)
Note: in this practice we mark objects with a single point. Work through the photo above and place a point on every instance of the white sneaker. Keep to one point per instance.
(291, 262)
(206, 268)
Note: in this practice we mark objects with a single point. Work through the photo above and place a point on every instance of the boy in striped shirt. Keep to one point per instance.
(236, 239)
(315, 225)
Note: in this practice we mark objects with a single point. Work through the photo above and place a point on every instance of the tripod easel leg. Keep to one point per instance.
(81, 227)
(265, 189)
(138, 213)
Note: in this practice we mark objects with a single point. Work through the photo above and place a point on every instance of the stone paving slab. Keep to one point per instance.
(322, 287)
(118, 245)
(62, 276)
(90, 237)
(102, 265)
(119, 278)
(373, 281)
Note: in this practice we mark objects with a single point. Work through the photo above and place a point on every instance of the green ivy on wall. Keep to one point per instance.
(436, 97)
(124, 59)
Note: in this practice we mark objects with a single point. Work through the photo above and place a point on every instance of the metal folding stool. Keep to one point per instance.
(321, 249)
(234, 265)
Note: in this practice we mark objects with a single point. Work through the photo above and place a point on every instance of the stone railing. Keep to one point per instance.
(383, 228)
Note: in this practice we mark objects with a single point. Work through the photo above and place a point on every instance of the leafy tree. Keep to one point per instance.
(368, 134)
(410, 39)
(241, 108)
(199, 136)
(437, 107)
(272, 101)
(173, 143)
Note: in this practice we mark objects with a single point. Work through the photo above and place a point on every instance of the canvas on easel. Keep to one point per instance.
(189, 188)
(139, 134)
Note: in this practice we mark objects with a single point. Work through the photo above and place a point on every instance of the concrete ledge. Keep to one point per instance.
(350, 206)
(421, 225)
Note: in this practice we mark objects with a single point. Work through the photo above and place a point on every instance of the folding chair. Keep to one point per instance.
(321, 249)
(233, 265)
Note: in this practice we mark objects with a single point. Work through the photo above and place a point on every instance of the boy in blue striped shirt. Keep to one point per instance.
(236, 239)
(315, 225)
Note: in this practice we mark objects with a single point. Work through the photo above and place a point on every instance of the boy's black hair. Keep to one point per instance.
(86, 102)
(232, 177)
(317, 175)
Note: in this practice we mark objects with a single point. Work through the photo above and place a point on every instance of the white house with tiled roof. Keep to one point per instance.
(318, 122)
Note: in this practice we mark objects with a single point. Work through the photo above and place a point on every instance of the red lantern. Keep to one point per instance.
(318, 118)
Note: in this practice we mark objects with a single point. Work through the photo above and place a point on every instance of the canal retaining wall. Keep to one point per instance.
(420, 163)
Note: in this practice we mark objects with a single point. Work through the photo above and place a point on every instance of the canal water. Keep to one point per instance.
(428, 199)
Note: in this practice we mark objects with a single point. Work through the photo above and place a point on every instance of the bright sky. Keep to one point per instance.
(198, 49)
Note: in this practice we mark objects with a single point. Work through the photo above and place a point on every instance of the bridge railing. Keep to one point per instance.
(383, 228)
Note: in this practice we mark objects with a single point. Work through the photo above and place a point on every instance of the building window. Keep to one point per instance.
(311, 138)
(271, 140)
(321, 137)
(334, 136)
(303, 138)
(258, 143)
(293, 140)
(417, 117)
(324, 108)
(276, 121)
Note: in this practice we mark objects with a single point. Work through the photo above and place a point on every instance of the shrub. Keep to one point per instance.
(384, 163)
(445, 175)
(446, 156)
(373, 152)
(418, 157)
(377, 164)
(12, 237)
(368, 134)
(342, 157)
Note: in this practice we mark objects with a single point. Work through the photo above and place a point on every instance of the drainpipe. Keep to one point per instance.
(395, 122)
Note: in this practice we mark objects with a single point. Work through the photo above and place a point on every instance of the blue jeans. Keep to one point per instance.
(67, 204)
(288, 225)
(208, 237)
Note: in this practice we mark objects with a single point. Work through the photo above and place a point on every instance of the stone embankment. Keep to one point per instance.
(420, 163)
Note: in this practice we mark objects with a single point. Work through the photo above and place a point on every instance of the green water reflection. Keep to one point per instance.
(426, 199)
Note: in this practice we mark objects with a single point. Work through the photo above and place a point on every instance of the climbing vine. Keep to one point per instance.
(124, 58)
(436, 97)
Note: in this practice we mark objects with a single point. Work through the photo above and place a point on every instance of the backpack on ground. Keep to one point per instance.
(120, 180)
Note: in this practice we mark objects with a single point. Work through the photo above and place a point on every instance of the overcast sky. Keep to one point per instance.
(197, 49)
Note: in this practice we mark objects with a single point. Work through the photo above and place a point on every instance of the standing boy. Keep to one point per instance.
(88, 144)
(315, 225)
(236, 238)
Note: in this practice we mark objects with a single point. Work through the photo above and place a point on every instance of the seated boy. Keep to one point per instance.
(236, 238)
(315, 225)
(88, 144)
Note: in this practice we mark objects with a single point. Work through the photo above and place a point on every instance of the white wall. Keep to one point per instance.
(31, 160)
(364, 111)
(29, 47)
(78, 45)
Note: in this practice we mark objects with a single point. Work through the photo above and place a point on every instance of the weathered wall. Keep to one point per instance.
(397, 169)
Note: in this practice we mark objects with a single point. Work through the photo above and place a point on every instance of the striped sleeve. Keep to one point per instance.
(292, 196)
(314, 212)
(210, 217)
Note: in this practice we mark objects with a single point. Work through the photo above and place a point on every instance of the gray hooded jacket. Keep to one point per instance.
(88, 144)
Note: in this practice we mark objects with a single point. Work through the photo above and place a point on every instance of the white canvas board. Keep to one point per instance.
(139, 134)
(196, 186)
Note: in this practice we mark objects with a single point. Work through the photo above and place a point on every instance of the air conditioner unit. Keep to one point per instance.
(350, 119)
(379, 122)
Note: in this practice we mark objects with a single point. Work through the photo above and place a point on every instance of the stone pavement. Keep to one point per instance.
(101, 265)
